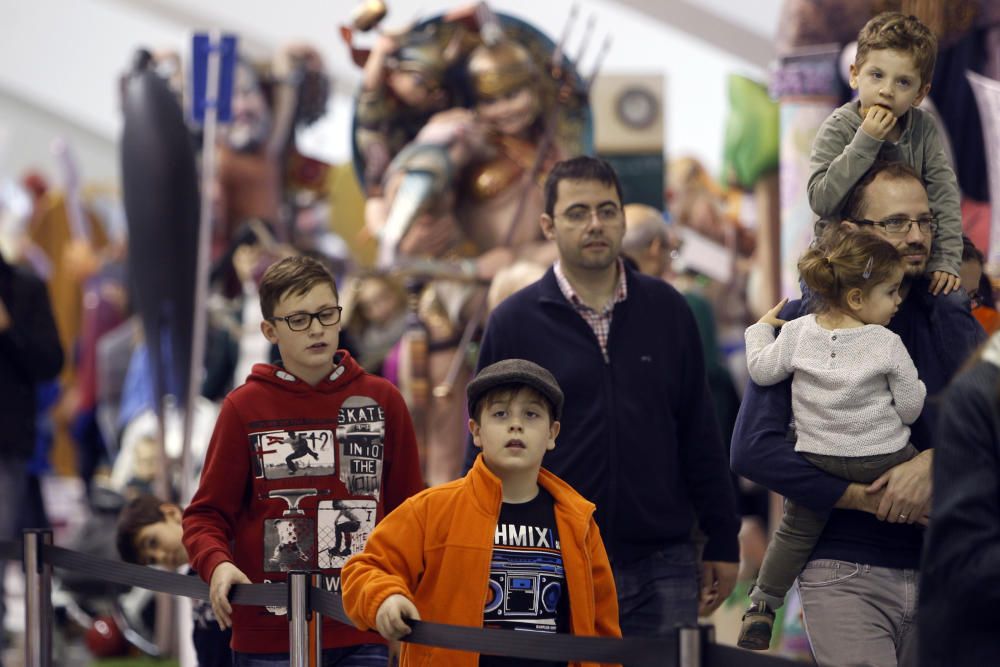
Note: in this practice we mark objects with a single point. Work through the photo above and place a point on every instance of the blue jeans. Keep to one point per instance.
(658, 593)
(363, 655)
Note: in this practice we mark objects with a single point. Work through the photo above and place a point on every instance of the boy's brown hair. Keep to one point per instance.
(507, 392)
(138, 513)
(898, 32)
(292, 275)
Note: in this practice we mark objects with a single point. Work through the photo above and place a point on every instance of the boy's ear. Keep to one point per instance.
(171, 512)
(553, 434)
(921, 95)
(853, 80)
(270, 333)
(474, 430)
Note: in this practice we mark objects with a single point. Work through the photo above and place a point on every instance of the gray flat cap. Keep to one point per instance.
(515, 371)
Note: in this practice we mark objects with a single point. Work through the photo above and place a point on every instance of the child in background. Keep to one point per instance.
(446, 554)
(892, 74)
(855, 390)
(977, 284)
(149, 533)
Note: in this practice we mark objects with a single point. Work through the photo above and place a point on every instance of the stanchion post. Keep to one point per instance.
(305, 643)
(298, 608)
(688, 646)
(315, 627)
(38, 600)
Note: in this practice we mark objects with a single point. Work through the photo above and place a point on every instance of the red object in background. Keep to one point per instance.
(105, 639)
(976, 223)
(988, 318)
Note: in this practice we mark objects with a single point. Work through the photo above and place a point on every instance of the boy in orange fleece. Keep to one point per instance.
(509, 533)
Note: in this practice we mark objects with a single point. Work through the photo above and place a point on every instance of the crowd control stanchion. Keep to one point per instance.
(689, 646)
(305, 641)
(38, 600)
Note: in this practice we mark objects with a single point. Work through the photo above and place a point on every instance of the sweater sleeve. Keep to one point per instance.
(402, 464)
(908, 392)
(838, 160)
(210, 518)
(769, 359)
(763, 452)
(945, 201)
(963, 542)
(392, 562)
(702, 454)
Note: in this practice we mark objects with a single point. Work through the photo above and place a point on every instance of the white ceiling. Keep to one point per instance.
(60, 59)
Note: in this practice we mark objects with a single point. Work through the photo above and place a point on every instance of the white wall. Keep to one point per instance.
(64, 57)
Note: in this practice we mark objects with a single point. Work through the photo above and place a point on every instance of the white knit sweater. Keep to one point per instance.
(854, 391)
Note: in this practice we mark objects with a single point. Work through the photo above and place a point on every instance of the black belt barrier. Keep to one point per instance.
(638, 651)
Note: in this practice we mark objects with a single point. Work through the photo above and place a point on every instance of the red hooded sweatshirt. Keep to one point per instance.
(296, 478)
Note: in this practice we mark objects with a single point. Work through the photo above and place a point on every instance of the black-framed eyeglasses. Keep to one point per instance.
(579, 215)
(302, 321)
(901, 224)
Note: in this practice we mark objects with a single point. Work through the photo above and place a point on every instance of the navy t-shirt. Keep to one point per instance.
(527, 579)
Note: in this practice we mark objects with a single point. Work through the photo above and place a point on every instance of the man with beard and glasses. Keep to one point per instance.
(645, 445)
(859, 589)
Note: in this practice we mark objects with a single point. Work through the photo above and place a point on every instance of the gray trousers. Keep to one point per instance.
(860, 616)
(796, 537)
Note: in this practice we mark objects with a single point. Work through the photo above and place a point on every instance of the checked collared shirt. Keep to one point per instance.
(599, 320)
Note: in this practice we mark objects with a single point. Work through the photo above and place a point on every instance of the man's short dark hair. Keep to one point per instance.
(581, 168)
(855, 205)
(138, 513)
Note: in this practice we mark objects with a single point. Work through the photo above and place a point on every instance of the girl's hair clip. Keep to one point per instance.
(868, 268)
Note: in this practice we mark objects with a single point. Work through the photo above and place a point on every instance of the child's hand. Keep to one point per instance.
(390, 620)
(943, 282)
(771, 316)
(223, 577)
(878, 122)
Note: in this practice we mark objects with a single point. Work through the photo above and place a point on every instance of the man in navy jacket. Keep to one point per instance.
(859, 590)
(639, 435)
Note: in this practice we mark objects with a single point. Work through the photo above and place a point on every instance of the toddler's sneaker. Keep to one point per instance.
(758, 622)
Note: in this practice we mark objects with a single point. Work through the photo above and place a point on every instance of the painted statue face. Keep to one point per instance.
(251, 122)
(511, 114)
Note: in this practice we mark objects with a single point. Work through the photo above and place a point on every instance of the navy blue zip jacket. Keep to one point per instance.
(639, 435)
(940, 334)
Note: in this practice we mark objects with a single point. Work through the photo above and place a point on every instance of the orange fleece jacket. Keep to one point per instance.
(436, 547)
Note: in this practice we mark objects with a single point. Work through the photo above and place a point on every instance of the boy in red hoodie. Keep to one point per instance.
(303, 453)
(509, 545)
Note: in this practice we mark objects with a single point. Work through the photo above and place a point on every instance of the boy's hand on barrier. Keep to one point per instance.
(223, 577)
(390, 620)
